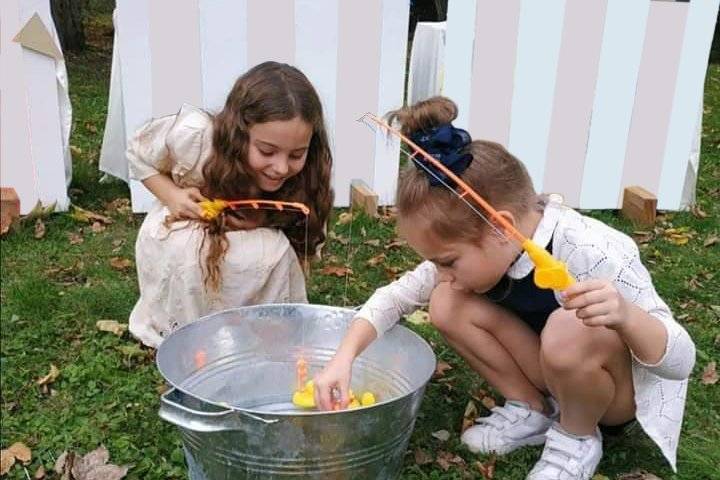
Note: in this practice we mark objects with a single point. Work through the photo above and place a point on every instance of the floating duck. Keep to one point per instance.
(305, 398)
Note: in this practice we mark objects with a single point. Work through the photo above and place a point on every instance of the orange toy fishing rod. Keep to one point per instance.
(549, 272)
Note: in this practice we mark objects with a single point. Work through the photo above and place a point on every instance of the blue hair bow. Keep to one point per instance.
(446, 144)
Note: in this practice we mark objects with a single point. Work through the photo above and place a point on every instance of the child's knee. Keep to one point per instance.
(442, 307)
(564, 342)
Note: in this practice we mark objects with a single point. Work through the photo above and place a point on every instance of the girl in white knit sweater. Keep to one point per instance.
(598, 355)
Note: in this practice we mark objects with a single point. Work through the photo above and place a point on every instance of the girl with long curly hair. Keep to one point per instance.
(268, 142)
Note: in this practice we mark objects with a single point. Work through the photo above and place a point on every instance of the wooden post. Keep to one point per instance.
(639, 205)
(362, 197)
(9, 208)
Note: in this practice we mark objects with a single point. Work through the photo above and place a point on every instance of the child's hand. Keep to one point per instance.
(335, 376)
(597, 303)
(183, 203)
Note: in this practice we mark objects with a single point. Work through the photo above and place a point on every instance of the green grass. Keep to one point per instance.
(53, 292)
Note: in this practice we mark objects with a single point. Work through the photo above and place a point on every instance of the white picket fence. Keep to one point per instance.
(174, 51)
(592, 95)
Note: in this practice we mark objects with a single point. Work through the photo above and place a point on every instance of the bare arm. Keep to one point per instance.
(336, 374)
(182, 202)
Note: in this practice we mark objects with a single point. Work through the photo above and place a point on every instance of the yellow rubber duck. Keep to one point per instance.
(305, 398)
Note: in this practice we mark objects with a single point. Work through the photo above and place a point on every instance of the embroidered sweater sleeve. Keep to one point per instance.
(592, 249)
(411, 291)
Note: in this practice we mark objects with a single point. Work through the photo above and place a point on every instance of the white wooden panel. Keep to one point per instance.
(393, 51)
(687, 102)
(620, 55)
(538, 49)
(223, 44)
(459, 56)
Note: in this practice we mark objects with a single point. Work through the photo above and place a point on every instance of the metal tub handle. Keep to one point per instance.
(199, 421)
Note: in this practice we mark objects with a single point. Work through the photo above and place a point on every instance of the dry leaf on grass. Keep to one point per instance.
(119, 263)
(487, 468)
(372, 243)
(698, 212)
(39, 228)
(39, 473)
(376, 260)
(82, 215)
(7, 460)
(397, 243)
(446, 459)
(710, 375)
(442, 435)
(21, 452)
(336, 270)
(678, 236)
(111, 326)
(75, 238)
(469, 416)
(422, 457)
(418, 317)
(344, 218)
(638, 475)
(488, 402)
(50, 377)
(710, 241)
(441, 368)
(95, 466)
(97, 227)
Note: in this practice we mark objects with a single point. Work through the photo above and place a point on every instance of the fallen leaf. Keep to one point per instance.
(97, 227)
(488, 402)
(422, 457)
(50, 377)
(372, 243)
(111, 326)
(61, 462)
(441, 368)
(442, 435)
(94, 466)
(397, 243)
(469, 416)
(39, 228)
(642, 237)
(39, 473)
(119, 205)
(7, 460)
(21, 452)
(446, 459)
(710, 241)
(338, 271)
(131, 351)
(75, 238)
(709, 375)
(119, 263)
(638, 475)
(344, 218)
(418, 317)
(487, 468)
(87, 216)
(363, 232)
(90, 127)
(698, 212)
(76, 150)
(376, 260)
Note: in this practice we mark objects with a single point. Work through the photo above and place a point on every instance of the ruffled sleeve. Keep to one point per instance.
(176, 145)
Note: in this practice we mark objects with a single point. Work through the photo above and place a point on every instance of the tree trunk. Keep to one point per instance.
(68, 17)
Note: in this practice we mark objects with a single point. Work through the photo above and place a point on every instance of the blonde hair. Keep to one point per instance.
(493, 172)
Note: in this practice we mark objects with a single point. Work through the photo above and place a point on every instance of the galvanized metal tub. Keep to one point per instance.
(233, 375)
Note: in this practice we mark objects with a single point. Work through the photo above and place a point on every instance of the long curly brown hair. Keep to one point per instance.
(268, 92)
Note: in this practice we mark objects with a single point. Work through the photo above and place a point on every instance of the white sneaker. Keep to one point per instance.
(509, 427)
(567, 456)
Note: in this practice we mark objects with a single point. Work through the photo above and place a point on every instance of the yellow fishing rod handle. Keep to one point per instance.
(212, 208)
(549, 272)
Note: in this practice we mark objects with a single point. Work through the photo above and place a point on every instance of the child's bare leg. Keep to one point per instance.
(588, 371)
(485, 334)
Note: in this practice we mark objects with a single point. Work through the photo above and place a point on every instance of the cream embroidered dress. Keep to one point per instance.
(590, 249)
(260, 265)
